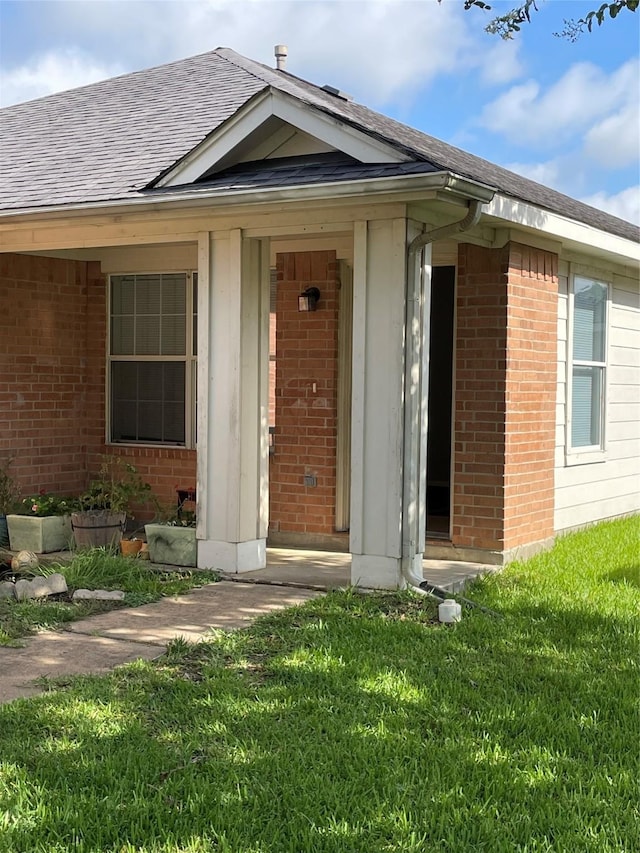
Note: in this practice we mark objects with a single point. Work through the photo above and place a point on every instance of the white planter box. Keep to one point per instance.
(173, 546)
(40, 535)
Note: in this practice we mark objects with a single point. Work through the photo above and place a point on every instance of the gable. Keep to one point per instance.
(274, 125)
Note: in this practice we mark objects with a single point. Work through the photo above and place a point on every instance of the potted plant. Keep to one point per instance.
(104, 507)
(9, 495)
(43, 524)
(173, 542)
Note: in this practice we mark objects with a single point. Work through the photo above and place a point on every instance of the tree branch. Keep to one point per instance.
(508, 24)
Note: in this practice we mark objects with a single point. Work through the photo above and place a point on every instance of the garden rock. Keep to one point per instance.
(56, 583)
(98, 595)
(7, 590)
(37, 588)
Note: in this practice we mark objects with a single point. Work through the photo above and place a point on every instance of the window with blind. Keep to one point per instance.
(152, 356)
(588, 363)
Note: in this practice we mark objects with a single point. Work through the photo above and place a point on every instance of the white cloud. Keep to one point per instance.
(381, 50)
(615, 141)
(570, 174)
(625, 204)
(52, 72)
(501, 63)
(584, 94)
(549, 173)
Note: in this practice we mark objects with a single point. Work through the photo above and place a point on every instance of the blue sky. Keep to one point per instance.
(564, 114)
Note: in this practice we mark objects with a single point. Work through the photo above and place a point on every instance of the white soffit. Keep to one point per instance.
(270, 122)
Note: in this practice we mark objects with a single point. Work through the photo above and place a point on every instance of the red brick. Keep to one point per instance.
(306, 422)
(504, 431)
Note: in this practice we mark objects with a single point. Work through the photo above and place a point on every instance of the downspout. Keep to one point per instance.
(415, 322)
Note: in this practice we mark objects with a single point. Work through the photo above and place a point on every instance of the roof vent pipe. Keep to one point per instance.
(280, 51)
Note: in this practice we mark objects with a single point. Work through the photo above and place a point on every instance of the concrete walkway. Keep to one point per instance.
(99, 643)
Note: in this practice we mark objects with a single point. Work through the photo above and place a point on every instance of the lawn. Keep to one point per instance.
(358, 723)
(94, 569)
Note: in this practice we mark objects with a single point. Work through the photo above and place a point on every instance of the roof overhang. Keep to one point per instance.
(499, 211)
(570, 233)
(444, 184)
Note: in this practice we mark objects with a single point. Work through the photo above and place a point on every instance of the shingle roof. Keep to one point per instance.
(296, 171)
(107, 141)
(102, 142)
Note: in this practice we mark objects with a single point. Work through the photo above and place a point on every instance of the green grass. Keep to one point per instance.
(357, 723)
(94, 569)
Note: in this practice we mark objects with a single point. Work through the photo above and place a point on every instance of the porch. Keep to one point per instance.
(332, 570)
(324, 425)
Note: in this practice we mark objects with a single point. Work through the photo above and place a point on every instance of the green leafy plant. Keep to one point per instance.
(44, 504)
(117, 488)
(179, 518)
(184, 515)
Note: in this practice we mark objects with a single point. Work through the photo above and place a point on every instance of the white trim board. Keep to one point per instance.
(232, 141)
(573, 235)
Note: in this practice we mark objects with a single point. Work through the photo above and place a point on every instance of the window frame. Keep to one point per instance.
(189, 359)
(588, 453)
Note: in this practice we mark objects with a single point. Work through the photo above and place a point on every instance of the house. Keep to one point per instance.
(468, 378)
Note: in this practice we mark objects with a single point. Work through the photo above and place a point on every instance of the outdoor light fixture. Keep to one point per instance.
(308, 300)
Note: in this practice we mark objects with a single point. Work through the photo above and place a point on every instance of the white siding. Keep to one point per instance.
(596, 490)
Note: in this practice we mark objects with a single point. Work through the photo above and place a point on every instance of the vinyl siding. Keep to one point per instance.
(596, 490)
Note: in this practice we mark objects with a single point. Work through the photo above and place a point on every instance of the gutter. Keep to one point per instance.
(414, 456)
(458, 187)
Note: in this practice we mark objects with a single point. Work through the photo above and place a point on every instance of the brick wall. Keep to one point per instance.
(43, 401)
(505, 375)
(53, 326)
(306, 420)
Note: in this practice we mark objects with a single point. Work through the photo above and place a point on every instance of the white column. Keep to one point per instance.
(389, 411)
(416, 405)
(377, 409)
(233, 432)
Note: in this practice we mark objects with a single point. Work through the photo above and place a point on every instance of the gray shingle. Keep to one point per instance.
(107, 141)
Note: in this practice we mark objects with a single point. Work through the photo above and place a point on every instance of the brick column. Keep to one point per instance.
(505, 385)
(480, 376)
(531, 388)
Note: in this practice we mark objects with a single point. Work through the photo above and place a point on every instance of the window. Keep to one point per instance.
(152, 355)
(588, 364)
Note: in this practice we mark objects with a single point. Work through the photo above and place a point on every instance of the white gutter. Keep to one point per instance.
(204, 196)
(418, 304)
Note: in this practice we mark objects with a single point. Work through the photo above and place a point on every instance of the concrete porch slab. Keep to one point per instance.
(330, 570)
(453, 576)
(303, 568)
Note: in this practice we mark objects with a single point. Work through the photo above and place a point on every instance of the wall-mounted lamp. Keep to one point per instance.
(308, 300)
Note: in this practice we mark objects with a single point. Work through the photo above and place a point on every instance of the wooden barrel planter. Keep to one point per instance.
(98, 528)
